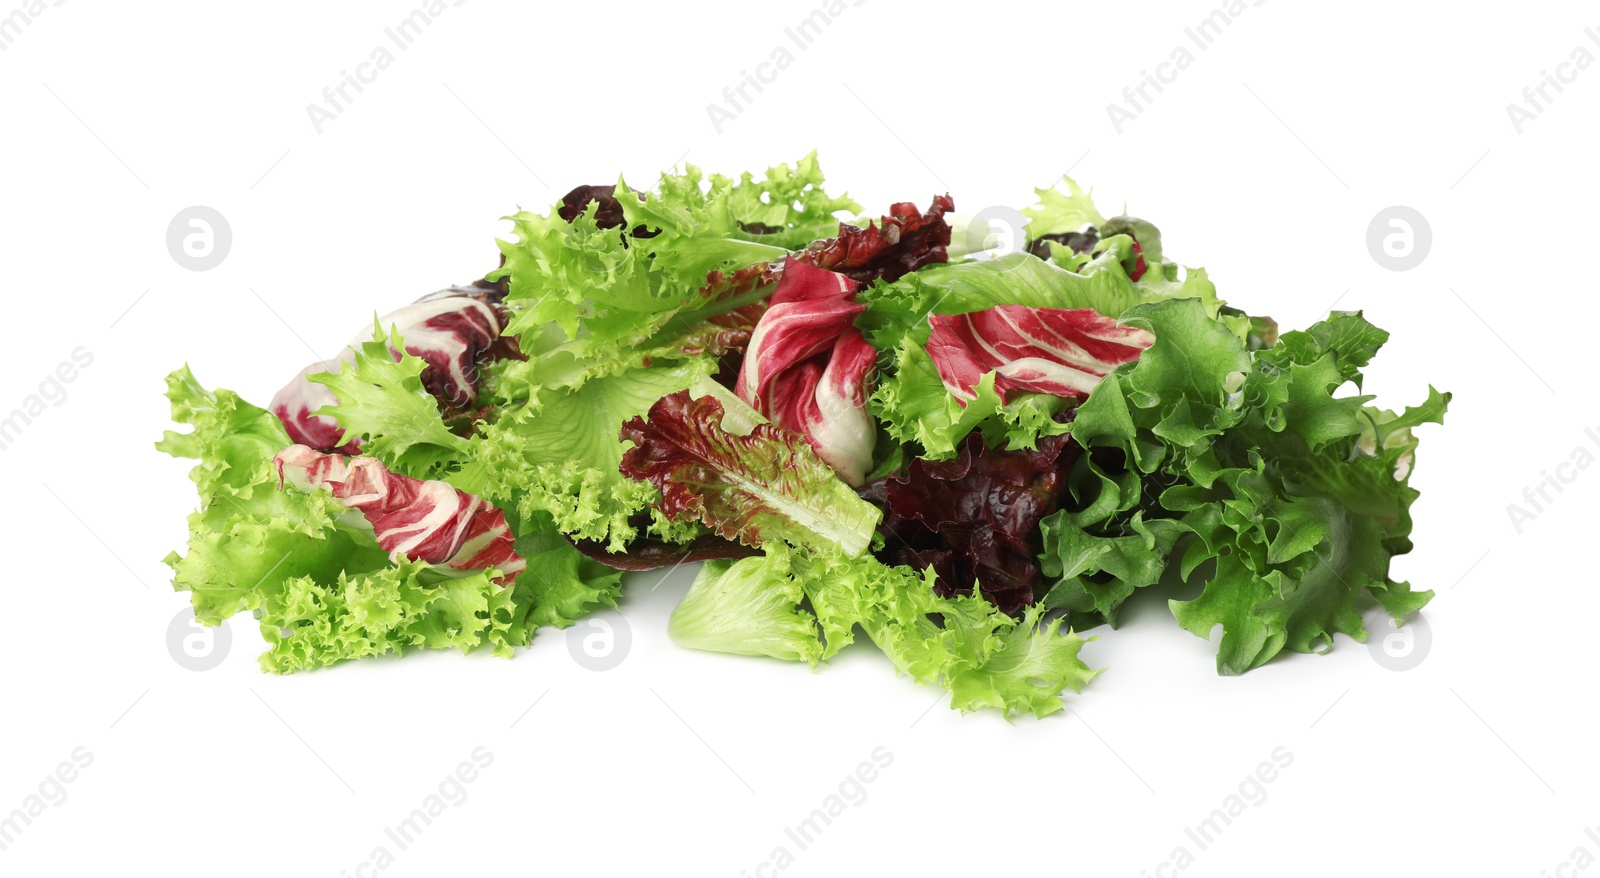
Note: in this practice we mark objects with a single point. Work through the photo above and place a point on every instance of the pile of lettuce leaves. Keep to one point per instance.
(693, 383)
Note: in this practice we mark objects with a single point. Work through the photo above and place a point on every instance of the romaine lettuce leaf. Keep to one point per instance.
(748, 607)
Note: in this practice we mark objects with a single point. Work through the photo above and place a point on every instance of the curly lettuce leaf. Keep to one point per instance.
(1248, 465)
(381, 400)
(586, 301)
(915, 406)
(1059, 213)
(320, 586)
(591, 298)
(898, 311)
(707, 224)
(564, 272)
(560, 585)
(248, 538)
(1095, 567)
(560, 455)
(311, 624)
(985, 658)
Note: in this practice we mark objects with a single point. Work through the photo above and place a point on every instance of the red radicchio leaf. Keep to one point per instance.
(428, 521)
(455, 331)
(750, 487)
(809, 370)
(903, 242)
(976, 517)
(1034, 350)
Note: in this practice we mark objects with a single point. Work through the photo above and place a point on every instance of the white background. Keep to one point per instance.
(1264, 161)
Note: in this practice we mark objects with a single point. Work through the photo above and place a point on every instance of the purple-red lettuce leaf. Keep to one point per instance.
(975, 519)
(901, 242)
(715, 460)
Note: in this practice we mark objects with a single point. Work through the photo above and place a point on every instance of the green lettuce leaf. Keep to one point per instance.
(383, 402)
(748, 607)
(565, 273)
(311, 624)
(560, 585)
(985, 658)
(559, 455)
(1059, 212)
(593, 301)
(321, 588)
(714, 223)
(915, 406)
(1291, 501)
(248, 538)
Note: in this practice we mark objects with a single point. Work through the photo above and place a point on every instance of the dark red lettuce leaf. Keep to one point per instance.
(902, 242)
(1085, 241)
(975, 517)
(1077, 242)
(761, 482)
(607, 216)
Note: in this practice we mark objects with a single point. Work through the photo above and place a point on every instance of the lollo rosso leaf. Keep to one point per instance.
(716, 460)
(902, 242)
(974, 520)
